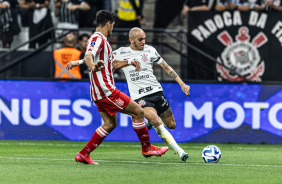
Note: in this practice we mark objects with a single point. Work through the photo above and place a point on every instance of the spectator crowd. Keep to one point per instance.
(40, 15)
(73, 14)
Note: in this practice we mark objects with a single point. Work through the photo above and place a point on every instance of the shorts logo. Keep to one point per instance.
(142, 102)
(164, 101)
(119, 102)
(241, 56)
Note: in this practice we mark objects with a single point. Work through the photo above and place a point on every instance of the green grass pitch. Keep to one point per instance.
(52, 162)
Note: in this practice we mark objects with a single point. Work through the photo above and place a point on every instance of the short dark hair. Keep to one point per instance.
(104, 16)
(80, 38)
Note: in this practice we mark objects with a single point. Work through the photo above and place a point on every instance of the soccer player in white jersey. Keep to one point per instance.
(146, 90)
(109, 100)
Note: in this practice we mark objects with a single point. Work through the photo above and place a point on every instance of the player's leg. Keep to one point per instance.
(141, 130)
(168, 118)
(149, 125)
(152, 116)
(169, 121)
(100, 134)
(134, 110)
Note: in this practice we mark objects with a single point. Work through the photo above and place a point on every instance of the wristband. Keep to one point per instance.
(129, 61)
(80, 62)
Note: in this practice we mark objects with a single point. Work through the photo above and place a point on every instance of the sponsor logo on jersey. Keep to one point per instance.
(125, 52)
(142, 102)
(145, 90)
(92, 44)
(144, 57)
(241, 56)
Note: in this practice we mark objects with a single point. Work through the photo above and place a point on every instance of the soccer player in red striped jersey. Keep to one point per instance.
(109, 100)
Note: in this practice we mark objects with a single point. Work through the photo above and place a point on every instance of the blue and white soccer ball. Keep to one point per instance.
(211, 153)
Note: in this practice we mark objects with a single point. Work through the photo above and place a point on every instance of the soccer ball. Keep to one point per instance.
(211, 153)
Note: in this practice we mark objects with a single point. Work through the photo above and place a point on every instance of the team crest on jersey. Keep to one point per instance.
(241, 56)
(142, 102)
(144, 57)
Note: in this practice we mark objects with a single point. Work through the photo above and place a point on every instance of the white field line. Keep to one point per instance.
(136, 162)
(120, 145)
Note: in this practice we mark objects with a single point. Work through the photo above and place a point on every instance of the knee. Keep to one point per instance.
(155, 122)
(113, 126)
(110, 127)
(139, 113)
(171, 125)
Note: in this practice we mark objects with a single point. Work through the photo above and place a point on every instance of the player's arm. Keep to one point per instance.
(73, 64)
(185, 88)
(92, 49)
(124, 63)
(88, 60)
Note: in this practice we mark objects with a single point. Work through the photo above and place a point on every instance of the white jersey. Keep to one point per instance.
(144, 82)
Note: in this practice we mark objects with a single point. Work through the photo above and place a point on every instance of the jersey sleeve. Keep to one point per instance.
(116, 55)
(94, 45)
(156, 58)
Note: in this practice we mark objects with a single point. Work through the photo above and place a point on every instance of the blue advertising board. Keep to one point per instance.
(52, 110)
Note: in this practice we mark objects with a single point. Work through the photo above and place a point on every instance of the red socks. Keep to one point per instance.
(95, 141)
(143, 135)
(100, 134)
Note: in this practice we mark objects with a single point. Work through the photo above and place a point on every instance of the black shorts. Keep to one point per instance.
(156, 100)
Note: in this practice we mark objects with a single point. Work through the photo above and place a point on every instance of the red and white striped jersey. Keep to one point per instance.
(102, 82)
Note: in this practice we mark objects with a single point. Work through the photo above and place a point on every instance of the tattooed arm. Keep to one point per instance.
(185, 88)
